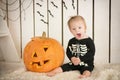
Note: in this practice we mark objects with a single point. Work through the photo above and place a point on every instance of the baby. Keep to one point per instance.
(80, 50)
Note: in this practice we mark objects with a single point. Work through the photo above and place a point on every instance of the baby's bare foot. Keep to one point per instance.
(82, 76)
(50, 74)
(85, 74)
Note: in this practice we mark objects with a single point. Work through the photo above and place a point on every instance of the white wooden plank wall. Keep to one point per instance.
(14, 22)
(4, 12)
(29, 18)
(101, 26)
(55, 20)
(41, 17)
(115, 31)
(26, 26)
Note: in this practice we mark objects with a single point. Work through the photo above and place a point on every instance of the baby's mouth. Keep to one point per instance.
(78, 35)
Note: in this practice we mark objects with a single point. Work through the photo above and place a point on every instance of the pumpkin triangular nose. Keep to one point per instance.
(45, 49)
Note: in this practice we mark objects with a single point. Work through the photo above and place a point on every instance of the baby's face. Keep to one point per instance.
(77, 28)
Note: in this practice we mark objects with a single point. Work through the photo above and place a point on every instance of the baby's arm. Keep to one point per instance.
(75, 60)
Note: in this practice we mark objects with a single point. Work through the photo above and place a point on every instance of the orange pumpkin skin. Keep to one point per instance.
(43, 54)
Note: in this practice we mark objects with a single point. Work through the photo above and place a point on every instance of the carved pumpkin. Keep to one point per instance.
(43, 54)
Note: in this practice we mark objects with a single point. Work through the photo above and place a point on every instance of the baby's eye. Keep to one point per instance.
(79, 27)
(73, 28)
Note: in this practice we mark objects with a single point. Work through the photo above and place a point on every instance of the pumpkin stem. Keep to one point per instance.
(43, 35)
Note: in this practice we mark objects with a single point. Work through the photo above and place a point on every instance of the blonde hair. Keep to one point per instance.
(77, 18)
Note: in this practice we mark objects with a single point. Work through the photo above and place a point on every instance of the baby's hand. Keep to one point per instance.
(75, 60)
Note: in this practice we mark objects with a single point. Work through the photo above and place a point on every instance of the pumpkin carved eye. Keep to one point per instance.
(35, 55)
(45, 49)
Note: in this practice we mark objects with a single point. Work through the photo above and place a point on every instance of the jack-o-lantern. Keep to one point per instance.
(43, 54)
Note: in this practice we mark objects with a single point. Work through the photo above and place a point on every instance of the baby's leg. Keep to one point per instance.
(55, 71)
(85, 74)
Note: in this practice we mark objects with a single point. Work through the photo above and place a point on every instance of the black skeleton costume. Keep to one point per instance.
(84, 49)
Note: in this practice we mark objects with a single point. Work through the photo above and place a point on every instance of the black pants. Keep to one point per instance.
(69, 67)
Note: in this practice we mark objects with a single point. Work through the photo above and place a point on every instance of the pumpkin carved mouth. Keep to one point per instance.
(38, 63)
(46, 61)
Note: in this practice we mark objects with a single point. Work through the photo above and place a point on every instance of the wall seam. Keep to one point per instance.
(109, 31)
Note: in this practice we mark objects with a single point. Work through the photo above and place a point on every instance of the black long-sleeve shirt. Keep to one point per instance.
(84, 49)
